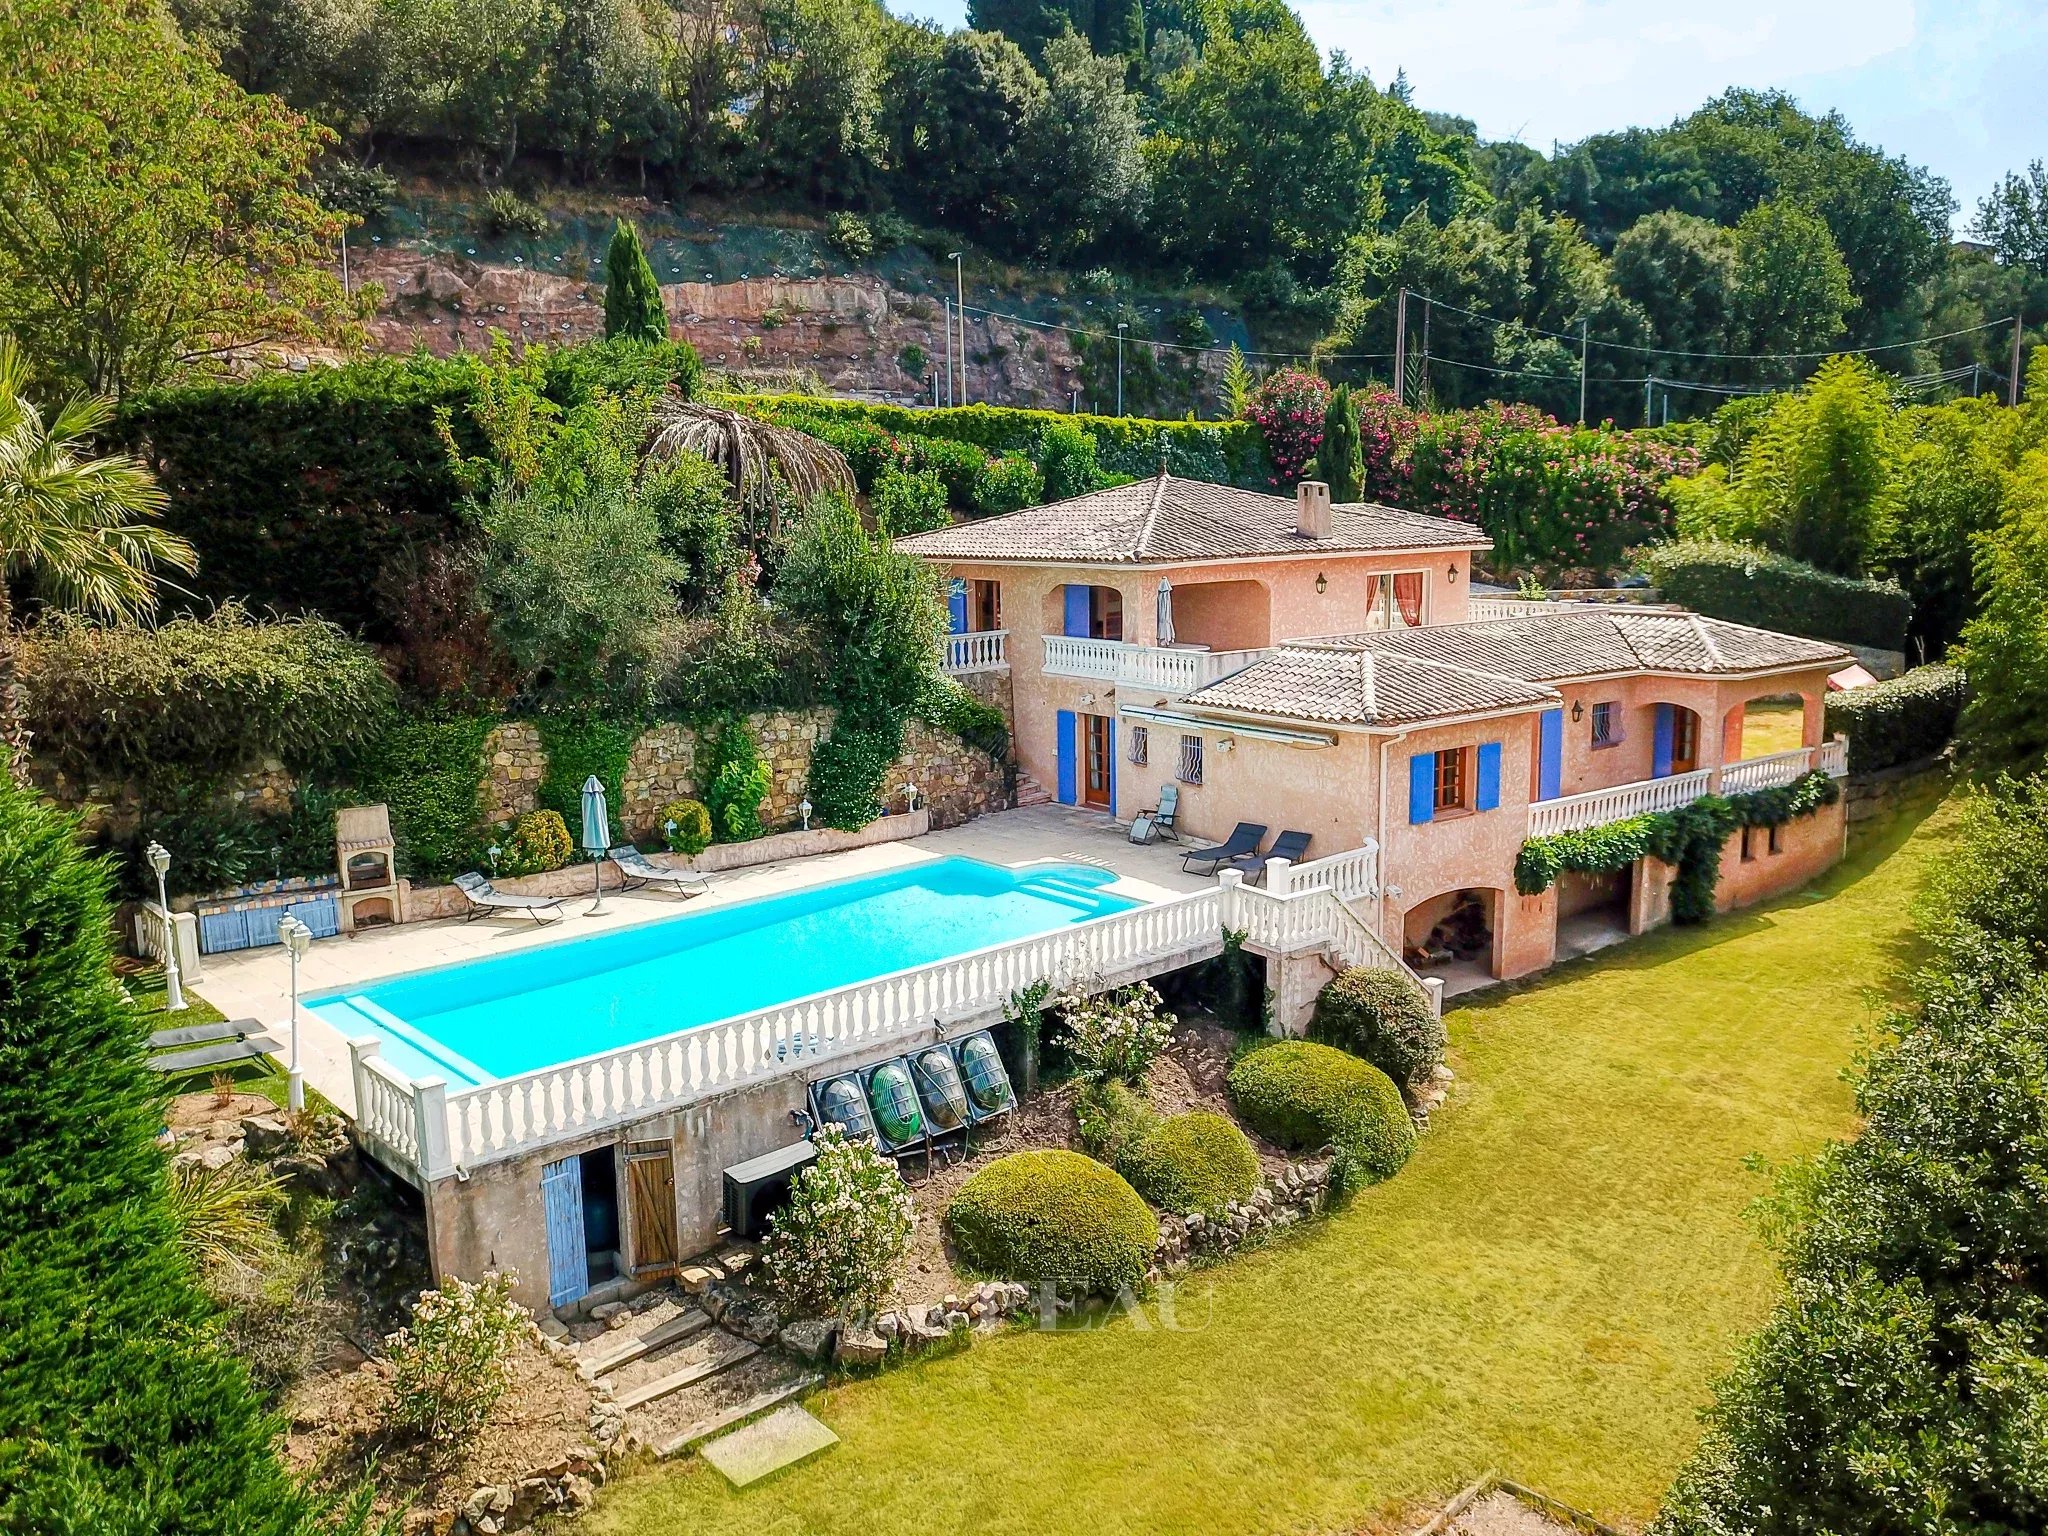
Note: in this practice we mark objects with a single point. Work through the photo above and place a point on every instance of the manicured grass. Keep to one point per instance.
(1770, 725)
(261, 1076)
(1549, 1288)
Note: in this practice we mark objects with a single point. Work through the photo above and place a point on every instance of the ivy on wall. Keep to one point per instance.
(1689, 838)
(577, 746)
(430, 771)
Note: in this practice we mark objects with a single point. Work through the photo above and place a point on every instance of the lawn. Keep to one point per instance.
(1772, 725)
(1549, 1288)
(145, 989)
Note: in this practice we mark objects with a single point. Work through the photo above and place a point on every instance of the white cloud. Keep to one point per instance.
(1561, 69)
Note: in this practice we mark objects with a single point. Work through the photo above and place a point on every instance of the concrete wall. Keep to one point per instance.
(1809, 846)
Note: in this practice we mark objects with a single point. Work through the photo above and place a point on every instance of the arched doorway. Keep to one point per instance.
(1676, 746)
(1455, 935)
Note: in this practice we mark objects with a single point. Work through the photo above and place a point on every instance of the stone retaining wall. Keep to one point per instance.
(1875, 796)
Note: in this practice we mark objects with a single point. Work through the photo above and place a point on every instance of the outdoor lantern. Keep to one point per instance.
(492, 854)
(1451, 574)
(804, 811)
(1578, 711)
(668, 833)
(174, 988)
(297, 938)
(1322, 583)
(597, 838)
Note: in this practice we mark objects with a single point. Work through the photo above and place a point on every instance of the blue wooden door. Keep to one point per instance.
(561, 1199)
(1660, 745)
(956, 606)
(1077, 611)
(1064, 729)
(1549, 754)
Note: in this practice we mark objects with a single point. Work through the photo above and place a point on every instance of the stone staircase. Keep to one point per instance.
(670, 1372)
(1030, 791)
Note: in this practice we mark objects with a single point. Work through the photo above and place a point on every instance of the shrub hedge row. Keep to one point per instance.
(1228, 452)
(301, 490)
(1304, 1096)
(1054, 1218)
(1898, 721)
(1747, 585)
(1193, 1162)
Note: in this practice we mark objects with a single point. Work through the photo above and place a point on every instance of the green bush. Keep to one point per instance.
(1305, 1096)
(1111, 1119)
(847, 772)
(577, 747)
(1381, 1016)
(505, 212)
(119, 1408)
(950, 707)
(1192, 1162)
(958, 466)
(1054, 1218)
(539, 842)
(1067, 461)
(1007, 484)
(735, 784)
(1748, 585)
(1899, 721)
(849, 235)
(198, 698)
(692, 824)
(430, 771)
(907, 503)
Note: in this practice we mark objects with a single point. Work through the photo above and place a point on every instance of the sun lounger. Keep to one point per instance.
(246, 1048)
(482, 898)
(1288, 845)
(1244, 840)
(203, 1034)
(1159, 821)
(638, 871)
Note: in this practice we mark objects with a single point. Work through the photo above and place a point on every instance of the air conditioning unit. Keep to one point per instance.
(756, 1188)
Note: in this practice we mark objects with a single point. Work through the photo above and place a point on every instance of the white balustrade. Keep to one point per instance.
(387, 1109)
(1756, 773)
(1481, 609)
(1596, 806)
(1351, 874)
(1076, 656)
(981, 650)
(1833, 758)
(156, 931)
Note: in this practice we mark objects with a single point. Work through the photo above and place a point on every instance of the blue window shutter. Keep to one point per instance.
(1549, 754)
(1660, 751)
(1422, 787)
(1065, 733)
(561, 1200)
(1110, 744)
(1077, 611)
(956, 606)
(1487, 793)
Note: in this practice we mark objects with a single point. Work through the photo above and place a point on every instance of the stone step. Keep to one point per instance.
(678, 1324)
(680, 1365)
(770, 1396)
(1030, 792)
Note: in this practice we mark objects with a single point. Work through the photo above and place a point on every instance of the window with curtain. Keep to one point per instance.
(1394, 602)
(1190, 760)
(1139, 744)
(1408, 597)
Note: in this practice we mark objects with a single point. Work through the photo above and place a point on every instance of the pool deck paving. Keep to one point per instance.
(256, 983)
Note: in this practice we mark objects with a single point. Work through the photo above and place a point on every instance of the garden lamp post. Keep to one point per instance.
(297, 938)
(804, 811)
(174, 987)
(597, 838)
(668, 833)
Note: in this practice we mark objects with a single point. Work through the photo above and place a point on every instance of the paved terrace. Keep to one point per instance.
(256, 983)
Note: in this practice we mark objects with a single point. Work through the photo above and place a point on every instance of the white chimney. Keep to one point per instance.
(1312, 509)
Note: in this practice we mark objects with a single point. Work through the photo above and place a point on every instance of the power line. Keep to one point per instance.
(1177, 346)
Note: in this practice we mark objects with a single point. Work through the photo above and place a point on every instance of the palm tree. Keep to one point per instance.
(77, 524)
(748, 450)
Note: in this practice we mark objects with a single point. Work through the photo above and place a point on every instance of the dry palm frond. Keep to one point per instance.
(224, 1214)
(750, 452)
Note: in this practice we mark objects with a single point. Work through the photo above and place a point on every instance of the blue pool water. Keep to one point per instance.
(557, 1002)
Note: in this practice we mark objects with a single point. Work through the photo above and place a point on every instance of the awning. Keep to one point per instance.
(1212, 727)
(1854, 675)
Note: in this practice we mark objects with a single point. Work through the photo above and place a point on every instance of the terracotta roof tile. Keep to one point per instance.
(1167, 519)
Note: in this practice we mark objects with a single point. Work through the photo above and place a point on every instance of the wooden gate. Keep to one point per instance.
(651, 1190)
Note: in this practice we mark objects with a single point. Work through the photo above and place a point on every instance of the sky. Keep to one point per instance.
(1956, 85)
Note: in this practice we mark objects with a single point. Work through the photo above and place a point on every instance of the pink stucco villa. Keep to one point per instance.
(1325, 669)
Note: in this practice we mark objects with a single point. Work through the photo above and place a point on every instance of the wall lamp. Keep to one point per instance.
(1322, 583)
(1451, 574)
(1578, 711)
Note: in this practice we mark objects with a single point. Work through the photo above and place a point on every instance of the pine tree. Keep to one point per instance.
(1337, 458)
(119, 1411)
(632, 298)
(1238, 383)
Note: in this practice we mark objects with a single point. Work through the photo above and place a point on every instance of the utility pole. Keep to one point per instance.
(1582, 373)
(1648, 384)
(344, 264)
(1120, 366)
(949, 351)
(960, 290)
(1422, 395)
(1401, 347)
(2012, 384)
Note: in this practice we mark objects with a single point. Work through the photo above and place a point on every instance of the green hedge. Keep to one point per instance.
(300, 490)
(431, 773)
(1899, 721)
(1192, 1162)
(1054, 1218)
(1746, 585)
(1228, 452)
(1382, 1016)
(1304, 1096)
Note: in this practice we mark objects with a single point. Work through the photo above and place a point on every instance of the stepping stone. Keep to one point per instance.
(782, 1439)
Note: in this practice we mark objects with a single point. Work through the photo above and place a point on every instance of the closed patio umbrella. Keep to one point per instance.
(597, 836)
(1165, 611)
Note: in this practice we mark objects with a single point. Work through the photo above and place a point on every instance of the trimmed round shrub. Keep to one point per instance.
(692, 821)
(1193, 1162)
(539, 842)
(1054, 1218)
(1304, 1096)
(1378, 1014)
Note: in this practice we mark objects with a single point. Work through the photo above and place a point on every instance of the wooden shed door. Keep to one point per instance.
(651, 1187)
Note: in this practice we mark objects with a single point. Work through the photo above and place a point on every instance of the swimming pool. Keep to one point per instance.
(494, 1018)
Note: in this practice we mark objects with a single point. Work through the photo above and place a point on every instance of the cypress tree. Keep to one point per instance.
(118, 1412)
(632, 298)
(1337, 459)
